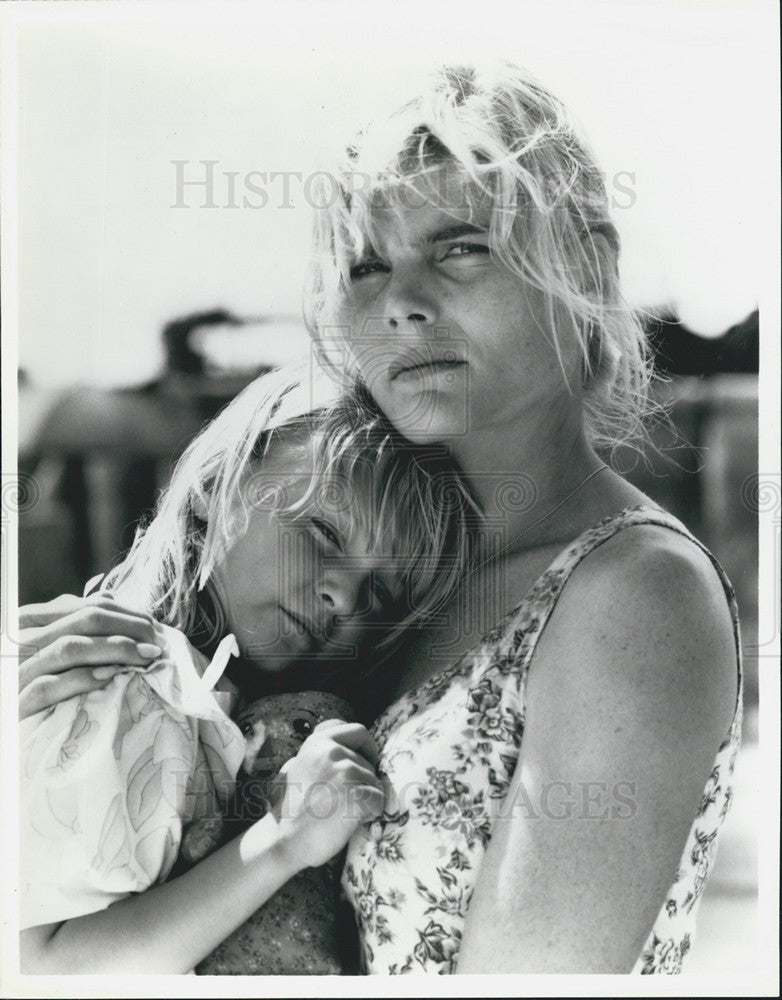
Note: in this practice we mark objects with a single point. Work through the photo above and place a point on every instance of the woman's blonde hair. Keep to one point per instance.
(549, 222)
(410, 497)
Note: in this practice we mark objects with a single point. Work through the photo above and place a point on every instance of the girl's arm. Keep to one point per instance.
(325, 792)
(630, 694)
(170, 927)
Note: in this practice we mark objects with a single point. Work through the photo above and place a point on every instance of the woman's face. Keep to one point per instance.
(448, 340)
(300, 587)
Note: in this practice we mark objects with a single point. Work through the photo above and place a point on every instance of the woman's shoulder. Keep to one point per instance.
(650, 565)
(650, 539)
(645, 626)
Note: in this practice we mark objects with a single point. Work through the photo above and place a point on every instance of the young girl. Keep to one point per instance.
(305, 538)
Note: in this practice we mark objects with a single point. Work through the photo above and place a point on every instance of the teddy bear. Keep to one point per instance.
(296, 931)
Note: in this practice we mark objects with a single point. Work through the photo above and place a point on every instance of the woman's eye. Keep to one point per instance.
(457, 250)
(367, 267)
(326, 531)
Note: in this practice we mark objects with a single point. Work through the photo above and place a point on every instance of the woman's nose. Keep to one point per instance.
(409, 302)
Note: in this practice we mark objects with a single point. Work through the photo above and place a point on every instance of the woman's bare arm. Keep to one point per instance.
(630, 694)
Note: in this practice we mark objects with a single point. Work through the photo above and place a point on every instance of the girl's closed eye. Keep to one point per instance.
(377, 601)
(384, 600)
(325, 532)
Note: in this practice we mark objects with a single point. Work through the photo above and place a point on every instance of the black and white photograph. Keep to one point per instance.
(391, 498)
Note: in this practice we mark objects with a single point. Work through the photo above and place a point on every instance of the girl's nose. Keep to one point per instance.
(341, 592)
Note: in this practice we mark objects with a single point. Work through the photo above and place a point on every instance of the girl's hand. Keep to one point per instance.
(73, 645)
(326, 791)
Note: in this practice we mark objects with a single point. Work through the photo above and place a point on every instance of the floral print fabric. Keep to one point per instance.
(109, 778)
(448, 751)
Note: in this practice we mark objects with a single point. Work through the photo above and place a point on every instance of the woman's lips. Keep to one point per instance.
(424, 367)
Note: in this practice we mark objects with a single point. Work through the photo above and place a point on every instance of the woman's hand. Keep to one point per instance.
(73, 645)
(326, 791)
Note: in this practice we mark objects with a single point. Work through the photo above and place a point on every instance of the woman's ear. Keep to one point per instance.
(600, 244)
(592, 362)
(198, 506)
(601, 253)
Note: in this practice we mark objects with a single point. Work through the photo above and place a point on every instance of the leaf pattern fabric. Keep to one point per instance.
(109, 778)
(448, 751)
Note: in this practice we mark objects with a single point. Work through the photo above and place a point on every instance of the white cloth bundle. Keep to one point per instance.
(109, 778)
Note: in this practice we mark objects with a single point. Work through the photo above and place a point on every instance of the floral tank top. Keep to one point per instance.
(448, 750)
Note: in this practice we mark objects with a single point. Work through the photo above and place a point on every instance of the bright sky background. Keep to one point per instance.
(678, 94)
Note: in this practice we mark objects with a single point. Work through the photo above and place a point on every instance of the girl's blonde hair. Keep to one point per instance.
(410, 497)
(549, 222)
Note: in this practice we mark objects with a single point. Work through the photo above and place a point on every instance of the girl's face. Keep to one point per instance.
(447, 339)
(302, 586)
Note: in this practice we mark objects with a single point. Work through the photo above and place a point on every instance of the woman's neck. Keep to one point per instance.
(518, 472)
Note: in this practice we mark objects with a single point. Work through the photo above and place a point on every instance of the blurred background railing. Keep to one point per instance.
(100, 457)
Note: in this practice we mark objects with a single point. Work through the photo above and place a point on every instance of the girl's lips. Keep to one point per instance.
(303, 627)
